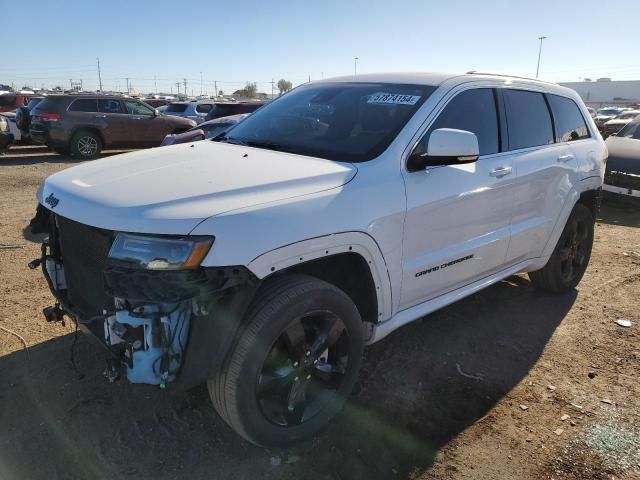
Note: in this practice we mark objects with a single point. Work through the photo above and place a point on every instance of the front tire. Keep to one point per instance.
(296, 360)
(570, 258)
(86, 144)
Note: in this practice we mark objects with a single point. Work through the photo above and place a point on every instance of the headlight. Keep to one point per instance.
(158, 253)
(4, 125)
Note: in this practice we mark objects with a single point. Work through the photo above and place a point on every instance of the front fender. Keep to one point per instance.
(314, 248)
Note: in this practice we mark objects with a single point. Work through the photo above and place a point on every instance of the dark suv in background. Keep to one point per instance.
(85, 124)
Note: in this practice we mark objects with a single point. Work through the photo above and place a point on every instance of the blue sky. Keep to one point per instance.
(236, 42)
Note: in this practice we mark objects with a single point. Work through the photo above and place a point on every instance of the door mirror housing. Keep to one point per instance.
(156, 113)
(446, 146)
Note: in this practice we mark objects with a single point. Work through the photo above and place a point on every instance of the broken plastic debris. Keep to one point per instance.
(607, 401)
(623, 322)
(524, 408)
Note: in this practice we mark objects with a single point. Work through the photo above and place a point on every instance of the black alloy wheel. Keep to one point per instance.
(307, 361)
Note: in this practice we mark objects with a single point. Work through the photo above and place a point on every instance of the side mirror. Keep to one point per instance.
(446, 146)
(156, 113)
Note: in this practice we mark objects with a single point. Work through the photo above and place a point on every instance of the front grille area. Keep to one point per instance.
(84, 252)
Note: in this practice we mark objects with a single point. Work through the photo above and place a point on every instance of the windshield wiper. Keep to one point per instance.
(253, 143)
(222, 137)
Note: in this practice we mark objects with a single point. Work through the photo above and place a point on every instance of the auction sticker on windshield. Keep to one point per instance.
(393, 99)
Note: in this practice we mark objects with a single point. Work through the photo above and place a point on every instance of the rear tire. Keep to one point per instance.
(570, 258)
(86, 144)
(282, 382)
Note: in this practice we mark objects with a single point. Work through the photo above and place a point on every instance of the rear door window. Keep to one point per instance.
(84, 105)
(570, 124)
(110, 106)
(528, 119)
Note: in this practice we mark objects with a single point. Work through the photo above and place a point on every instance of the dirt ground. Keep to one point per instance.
(510, 383)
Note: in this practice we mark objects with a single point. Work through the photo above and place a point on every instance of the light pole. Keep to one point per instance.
(539, 54)
(355, 65)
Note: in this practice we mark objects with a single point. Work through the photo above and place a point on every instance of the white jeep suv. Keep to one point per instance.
(264, 261)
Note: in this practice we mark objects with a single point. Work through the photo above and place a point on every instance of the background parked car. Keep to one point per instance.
(156, 102)
(205, 130)
(607, 113)
(11, 101)
(195, 110)
(226, 109)
(615, 125)
(84, 124)
(622, 176)
(6, 137)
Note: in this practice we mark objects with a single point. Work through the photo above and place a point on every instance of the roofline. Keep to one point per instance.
(473, 72)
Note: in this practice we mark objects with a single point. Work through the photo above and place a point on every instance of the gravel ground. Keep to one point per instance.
(555, 393)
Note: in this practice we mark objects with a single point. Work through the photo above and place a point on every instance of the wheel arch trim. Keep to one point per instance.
(325, 246)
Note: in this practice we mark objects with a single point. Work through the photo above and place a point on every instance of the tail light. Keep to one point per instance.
(51, 117)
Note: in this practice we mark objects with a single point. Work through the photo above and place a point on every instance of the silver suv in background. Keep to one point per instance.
(195, 110)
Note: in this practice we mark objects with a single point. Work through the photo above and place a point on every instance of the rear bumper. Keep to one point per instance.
(55, 137)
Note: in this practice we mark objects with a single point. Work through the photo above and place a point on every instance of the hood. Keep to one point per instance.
(624, 155)
(171, 189)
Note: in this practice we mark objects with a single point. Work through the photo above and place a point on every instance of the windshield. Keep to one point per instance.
(630, 130)
(627, 116)
(351, 122)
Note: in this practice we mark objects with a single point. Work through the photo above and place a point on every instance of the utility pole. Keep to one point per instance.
(185, 86)
(309, 78)
(99, 74)
(272, 83)
(215, 87)
(178, 87)
(539, 54)
(200, 83)
(127, 79)
(355, 66)
(155, 85)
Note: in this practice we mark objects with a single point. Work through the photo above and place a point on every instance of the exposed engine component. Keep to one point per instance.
(152, 339)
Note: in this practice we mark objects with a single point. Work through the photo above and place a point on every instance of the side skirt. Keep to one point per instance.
(416, 312)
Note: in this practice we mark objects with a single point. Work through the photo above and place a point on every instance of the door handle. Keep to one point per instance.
(101, 116)
(500, 172)
(565, 158)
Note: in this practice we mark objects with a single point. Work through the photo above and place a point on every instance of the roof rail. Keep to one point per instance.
(473, 72)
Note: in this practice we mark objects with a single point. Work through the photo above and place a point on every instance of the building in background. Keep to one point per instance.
(605, 91)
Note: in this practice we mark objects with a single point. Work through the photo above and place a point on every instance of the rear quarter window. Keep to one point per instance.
(570, 123)
(528, 119)
(52, 104)
(203, 107)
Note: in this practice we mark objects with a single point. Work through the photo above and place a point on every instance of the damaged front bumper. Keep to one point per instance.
(159, 326)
